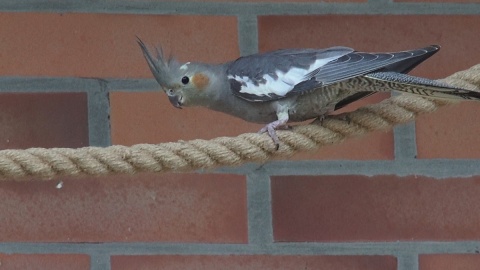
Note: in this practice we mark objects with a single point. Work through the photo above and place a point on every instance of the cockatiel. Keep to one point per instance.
(293, 85)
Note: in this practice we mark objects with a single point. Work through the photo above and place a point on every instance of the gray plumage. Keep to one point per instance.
(295, 84)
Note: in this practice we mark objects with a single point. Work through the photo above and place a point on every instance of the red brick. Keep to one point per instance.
(449, 262)
(263, 262)
(380, 208)
(167, 207)
(150, 118)
(104, 45)
(50, 262)
(451, 132)
(43, 120)
(391, 33)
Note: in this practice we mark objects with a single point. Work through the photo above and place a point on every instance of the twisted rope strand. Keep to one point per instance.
(191, 155)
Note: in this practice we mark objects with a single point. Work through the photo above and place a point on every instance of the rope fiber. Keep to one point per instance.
(183, 156)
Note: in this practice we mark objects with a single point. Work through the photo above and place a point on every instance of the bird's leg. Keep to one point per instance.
(270, 128)
(326, 111)
(321, 118)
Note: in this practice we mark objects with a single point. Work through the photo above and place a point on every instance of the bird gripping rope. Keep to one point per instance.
(294, 85)
(183, 156)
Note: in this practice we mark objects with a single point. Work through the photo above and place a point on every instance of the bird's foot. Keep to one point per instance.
(270, 128)
(320, 119)
(343, 117)
(347, 118)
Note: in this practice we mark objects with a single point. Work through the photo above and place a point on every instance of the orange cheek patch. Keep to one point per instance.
(200, 81)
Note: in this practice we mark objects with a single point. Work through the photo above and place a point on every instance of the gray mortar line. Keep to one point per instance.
(407, 261)
(435, 168)
(404, 139)
(70, 84)
(247, 34)
(292, 248)
(99, 116)
(260, 229)
(380, 2)
(405, 146)
(237, 8)
(46, 84)
(100, 261)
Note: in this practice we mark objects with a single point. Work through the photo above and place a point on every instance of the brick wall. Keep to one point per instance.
(72, 75)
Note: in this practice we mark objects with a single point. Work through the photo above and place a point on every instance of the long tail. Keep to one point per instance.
(421, 86)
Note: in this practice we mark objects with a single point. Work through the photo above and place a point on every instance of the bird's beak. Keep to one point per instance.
(176, 101)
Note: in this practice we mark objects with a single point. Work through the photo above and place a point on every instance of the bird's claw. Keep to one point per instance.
(344, 117)
(270, 129)
(347, 119)
(272, 133)
(321, 118)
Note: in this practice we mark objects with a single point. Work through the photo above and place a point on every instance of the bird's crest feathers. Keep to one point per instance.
(164, 69)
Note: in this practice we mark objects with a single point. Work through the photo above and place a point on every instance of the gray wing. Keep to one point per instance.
(400, 67)
(271, 76)
(360, 63)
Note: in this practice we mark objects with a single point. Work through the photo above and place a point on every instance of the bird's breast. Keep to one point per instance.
(301, 107)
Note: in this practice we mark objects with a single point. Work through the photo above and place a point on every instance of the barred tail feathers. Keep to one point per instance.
(421, 86)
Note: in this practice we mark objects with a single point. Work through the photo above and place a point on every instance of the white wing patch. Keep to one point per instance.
(270, 86)
(284, 83)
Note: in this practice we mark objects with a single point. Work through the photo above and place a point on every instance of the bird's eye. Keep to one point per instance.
(185, 80)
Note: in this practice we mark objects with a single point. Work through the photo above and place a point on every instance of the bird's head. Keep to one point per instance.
(186, 84)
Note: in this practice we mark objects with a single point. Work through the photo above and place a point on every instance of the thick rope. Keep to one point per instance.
(223, 151)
